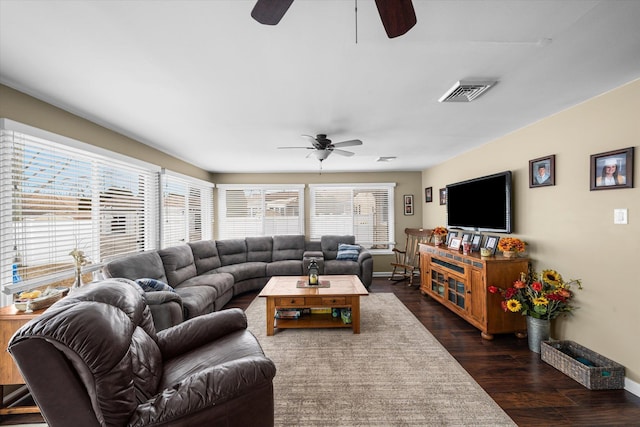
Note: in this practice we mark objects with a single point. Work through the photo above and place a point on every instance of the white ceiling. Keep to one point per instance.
(201, 80)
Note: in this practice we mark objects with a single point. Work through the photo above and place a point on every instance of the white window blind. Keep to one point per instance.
(364, 210)
(187, 209)
(56, 197)
(260, 210)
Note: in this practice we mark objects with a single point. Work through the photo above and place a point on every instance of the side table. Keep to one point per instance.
(10, 321)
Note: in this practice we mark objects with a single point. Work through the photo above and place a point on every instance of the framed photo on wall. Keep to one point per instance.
(542, 171)
(612, 169)
(443, 196)
(408, 204)
(428, 195)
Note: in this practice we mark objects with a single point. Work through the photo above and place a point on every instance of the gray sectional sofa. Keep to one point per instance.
(206, 274)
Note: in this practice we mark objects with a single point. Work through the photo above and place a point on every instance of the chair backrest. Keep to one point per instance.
(92, 357)
(415, 236)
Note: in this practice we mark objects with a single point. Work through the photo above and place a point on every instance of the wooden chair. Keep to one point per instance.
(406, 265)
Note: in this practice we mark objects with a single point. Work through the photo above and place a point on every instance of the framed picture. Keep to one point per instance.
(613, 169)
(428, 195)
(443, 196)
(450, 236)
(408, 204)
(455, 243)
(466, 237)
(542, 171)
(476, 242)
(491, 243)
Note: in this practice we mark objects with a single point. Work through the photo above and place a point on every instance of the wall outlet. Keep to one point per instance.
(620, 216)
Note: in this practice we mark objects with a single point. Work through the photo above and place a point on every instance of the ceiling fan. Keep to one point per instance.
(323, 146)
(398, 16)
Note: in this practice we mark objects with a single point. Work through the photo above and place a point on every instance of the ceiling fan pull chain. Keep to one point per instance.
(356, 21)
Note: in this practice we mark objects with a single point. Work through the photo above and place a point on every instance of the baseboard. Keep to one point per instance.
(632, 386)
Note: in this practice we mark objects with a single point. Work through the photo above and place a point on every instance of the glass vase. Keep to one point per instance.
(78, 280)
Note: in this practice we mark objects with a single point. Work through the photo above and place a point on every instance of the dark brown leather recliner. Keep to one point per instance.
(94, 359)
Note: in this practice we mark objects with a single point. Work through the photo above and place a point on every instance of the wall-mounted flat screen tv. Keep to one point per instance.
(481, 204)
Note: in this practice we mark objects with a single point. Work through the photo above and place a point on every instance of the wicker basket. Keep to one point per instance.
(604, 374)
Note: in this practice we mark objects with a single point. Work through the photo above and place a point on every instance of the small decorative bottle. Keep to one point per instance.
(313, 273)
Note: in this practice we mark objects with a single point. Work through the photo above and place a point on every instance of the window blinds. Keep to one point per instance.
(56, 197)
(364, 210)
(256, 210)
(187, 209)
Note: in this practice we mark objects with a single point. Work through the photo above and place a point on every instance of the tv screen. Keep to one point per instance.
(481, 204)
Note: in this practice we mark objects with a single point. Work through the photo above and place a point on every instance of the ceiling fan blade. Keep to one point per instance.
(304, 148)
(343, 152)
(270, 12)
(398, 16)
(349, 143)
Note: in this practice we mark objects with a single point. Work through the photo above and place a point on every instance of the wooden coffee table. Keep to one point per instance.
(343, 292)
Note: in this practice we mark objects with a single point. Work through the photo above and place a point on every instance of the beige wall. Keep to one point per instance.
(568, 227)
(406, 183)
(25, 109)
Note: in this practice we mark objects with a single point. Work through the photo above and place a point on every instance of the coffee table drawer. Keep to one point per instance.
(334, 300)
(290, 301)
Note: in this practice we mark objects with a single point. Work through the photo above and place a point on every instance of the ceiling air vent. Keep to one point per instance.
(466, 91)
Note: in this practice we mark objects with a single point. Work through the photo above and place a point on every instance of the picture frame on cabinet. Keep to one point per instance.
(476, 242)
(428, 195)
(451, 235)
(611, 170)
(455, 243)
(491, 243)
(466, 237)
(542, 171)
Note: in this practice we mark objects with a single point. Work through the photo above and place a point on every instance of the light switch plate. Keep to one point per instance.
(620, 216)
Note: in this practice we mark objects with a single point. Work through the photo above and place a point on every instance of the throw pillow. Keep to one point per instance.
(348, 252)
(153, 285)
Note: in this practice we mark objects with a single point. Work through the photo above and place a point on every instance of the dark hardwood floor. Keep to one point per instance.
(532, 392)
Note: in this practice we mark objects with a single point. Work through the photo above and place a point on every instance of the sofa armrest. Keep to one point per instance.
(364, 254)
(200, 330)
(166, 309)
(204, 391)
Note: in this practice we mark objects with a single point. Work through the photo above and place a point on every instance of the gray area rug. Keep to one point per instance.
(394, 373)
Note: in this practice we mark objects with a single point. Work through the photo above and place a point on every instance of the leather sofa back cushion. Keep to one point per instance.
(178, 264)
(259, 248)
(288, 247)
(232, 251)
(330, 244)
(137, 266)
(205, 255)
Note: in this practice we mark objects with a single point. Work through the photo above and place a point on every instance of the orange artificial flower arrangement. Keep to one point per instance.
(440, 231)
(511, 244)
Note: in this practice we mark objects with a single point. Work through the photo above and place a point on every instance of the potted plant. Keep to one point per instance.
(439, 235)
(511, 246)
(540, 297)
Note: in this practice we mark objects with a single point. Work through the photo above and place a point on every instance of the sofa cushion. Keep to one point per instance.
(197, 300)
(287, 267)
(232, 251)
(245, 270)
(348, 252)
(330, 244)
(178, 264)
(336, 266)
(205, 255)
(259, 248)
(153, 285)
(137, 266)
(288, 247)
(221, 282)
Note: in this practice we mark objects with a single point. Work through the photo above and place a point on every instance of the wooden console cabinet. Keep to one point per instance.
(10, 321)
(460, 282)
